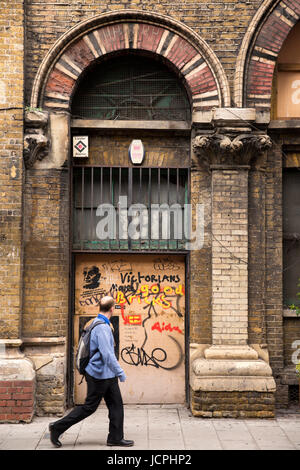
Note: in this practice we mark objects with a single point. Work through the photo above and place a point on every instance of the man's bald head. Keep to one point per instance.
(106, 303)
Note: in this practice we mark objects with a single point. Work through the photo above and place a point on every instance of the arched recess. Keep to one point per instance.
(259, 51)
(90, 40)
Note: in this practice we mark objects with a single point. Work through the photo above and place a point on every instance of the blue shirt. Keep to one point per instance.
(103, 363)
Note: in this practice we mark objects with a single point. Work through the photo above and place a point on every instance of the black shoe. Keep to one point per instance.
(121, 442)
(54, 435)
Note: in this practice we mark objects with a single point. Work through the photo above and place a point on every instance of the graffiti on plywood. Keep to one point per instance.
(150, 303)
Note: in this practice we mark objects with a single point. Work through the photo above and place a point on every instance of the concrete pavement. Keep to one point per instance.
(161, 428)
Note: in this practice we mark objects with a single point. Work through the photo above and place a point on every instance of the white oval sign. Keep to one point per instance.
(136, 152)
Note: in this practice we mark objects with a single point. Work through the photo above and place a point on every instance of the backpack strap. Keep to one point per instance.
(91, 327)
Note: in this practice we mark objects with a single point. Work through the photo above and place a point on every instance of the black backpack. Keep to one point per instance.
(83, 349)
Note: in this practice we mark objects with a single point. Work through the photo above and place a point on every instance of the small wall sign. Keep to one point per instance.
(81, 146)
(136, 152)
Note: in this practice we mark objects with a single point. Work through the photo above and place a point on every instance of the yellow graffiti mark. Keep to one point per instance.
(168, 290)
(179, 290)
(120, 298)
(155, 289)
(146, 292)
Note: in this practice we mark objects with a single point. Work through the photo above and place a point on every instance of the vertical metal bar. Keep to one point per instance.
(149, 206)
(160, 215)
(111, 186)
(168, 189)
(92, 204)
(140, 202)
(177, 199)
(140, 187)
(101, 199)
(129, 198)
(118, 211)
(111, 197)
(101, 186)
(188, 193)
(187, 326)
(82, 209)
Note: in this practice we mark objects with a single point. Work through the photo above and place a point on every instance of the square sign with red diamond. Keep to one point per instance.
(80, 146)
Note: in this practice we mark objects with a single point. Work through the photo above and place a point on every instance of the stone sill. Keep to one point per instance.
(48, 341)
(284, 124)
(135, 125)
(288, 313)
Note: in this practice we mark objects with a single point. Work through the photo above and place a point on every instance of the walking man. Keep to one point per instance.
(102, 373)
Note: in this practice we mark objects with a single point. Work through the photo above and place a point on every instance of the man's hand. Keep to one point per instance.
(122, 377)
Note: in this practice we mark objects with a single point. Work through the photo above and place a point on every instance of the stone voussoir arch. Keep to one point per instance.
(92, 39)
(259, 51)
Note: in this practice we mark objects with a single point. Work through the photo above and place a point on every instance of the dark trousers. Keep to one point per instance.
(96, 390)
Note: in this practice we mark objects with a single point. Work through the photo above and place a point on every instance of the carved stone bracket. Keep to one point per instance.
(36, 140)
(220, 149)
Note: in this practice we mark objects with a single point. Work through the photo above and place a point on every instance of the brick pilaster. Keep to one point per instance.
(228, 374)
(230, 256)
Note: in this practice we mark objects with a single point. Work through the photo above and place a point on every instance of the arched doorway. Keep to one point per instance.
(139, 257)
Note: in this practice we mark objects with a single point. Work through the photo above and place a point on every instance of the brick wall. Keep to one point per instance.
(46, 244)
(161, 149)
(11, 165)
(233, 405)
(230, 256)
(200, 264)
(16, 400)
(268, 42)
(221, 25)
(257, 257)
(274, 307)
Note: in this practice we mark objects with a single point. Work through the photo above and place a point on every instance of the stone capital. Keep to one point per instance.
(237, 150)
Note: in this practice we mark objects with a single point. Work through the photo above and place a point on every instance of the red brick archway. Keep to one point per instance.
(176, 44)
(269, 31)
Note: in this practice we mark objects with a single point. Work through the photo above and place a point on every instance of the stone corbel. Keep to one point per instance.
(221, 149)
(36, 140)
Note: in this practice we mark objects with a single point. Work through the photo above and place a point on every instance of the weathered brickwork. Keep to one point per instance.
(221, 26)
(161, 149)
(274, 304)
(266, 48)
(11, 165)
(184, 56)
(200, 263)
(233, 405)
(46, 243)
(257, 257)
(230, 256)
(16, 400)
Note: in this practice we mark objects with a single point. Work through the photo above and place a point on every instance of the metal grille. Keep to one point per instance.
(131, 88)
(291, 236)
(293, 394)
(108, 203)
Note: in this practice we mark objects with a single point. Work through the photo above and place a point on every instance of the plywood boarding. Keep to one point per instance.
(149, 320)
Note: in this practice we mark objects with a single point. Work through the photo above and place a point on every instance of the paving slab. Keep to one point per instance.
(160, 428)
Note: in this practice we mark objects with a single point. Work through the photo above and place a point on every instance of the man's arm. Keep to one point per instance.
(107, 352)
